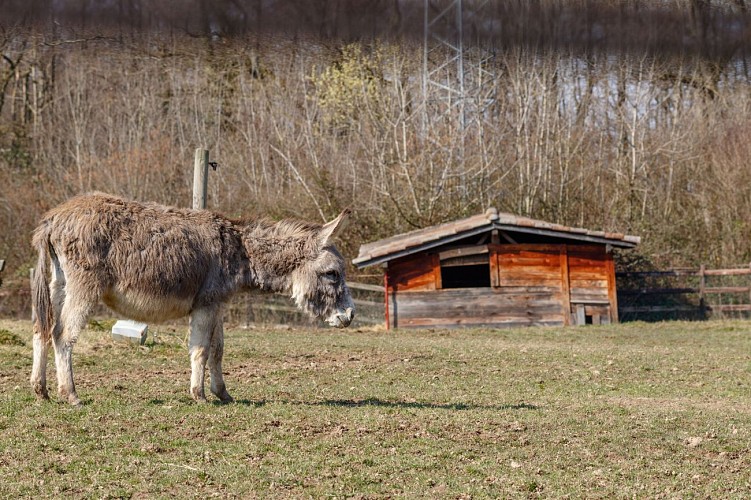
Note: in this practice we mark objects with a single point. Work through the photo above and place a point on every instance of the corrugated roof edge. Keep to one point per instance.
(421, 239)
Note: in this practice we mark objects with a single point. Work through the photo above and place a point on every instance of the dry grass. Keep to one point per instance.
(631, 410)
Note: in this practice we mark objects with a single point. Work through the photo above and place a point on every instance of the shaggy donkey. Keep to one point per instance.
(150, 262)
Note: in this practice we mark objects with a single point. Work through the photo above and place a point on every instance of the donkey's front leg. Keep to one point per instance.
(202, 323)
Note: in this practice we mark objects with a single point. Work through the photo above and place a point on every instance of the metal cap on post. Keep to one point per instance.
(200, 178)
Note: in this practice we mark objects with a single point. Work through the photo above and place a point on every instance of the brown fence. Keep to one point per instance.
(684, 294)
(258, 307)
(644, 295)
(695, 294)
(244, 309)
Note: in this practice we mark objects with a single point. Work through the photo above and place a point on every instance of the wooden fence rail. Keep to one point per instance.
(742, 271)
(644, 295)
(700, 297)
(277, 308)
(365, 286)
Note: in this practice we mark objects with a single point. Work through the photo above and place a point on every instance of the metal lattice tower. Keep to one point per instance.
(457, 80)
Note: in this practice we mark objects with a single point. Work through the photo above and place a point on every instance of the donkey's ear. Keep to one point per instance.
(333, 228)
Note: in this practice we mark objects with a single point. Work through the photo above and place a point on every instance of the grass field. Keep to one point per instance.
(633, 410)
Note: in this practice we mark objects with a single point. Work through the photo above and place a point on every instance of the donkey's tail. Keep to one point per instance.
(40, 287)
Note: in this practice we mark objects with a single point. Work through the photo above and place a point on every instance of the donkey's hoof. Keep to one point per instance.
(222, 394)
(226, 398)
(74, 401)
(198, 396)
(69, 397)
(41, 392)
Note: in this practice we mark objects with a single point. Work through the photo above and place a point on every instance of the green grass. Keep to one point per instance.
(633, 410)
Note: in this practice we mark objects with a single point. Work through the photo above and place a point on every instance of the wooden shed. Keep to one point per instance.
(498, 269)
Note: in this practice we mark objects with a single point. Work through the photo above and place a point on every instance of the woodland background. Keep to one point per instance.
(618, 115)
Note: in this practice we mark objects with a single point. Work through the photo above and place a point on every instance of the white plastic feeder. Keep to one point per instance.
(132, 331)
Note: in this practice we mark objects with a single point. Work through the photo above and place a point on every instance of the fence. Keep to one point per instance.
(244, 309)
(689, 294)
(259, 307)
(695, 294)
(684, 294)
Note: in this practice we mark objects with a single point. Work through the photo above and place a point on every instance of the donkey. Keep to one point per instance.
(154, 263)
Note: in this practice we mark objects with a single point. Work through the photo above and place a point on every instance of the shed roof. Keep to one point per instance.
(404, 244)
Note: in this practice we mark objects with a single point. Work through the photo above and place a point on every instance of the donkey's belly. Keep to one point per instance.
(147, 307)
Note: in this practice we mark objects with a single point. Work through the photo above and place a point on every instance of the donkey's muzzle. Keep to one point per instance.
(342, 319)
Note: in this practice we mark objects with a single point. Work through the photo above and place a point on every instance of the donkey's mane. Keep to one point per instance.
(295, 229)
(289, 230)
(285, 228)
(277, 246)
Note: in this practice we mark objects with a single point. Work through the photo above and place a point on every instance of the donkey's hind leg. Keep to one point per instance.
(202, 323)
(41, 343)
(73, 315)
(39, 366)
(42, 340)
(216, 351)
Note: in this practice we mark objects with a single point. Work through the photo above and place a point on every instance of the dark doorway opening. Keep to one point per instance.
(471, 276)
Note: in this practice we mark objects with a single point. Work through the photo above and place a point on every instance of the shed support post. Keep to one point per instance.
(386, 297)
(581, 318)
(565, 285)
(495, 237)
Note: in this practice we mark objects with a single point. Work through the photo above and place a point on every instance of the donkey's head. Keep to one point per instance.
(318, 285)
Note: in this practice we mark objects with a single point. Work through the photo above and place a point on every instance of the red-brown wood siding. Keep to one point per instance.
(496, 307)
(529, 265)
(592, 280)
(415, 273)
(531, 284)
(587, 270)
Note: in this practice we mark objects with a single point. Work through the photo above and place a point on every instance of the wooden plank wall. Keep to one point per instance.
(496, 307)
(529, 265)
(530, 285)
(588, 273)
(415, 272)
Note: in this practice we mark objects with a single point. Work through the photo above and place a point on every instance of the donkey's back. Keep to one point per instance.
(145, 261)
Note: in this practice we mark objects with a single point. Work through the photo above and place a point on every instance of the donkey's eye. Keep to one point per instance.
(332, 275)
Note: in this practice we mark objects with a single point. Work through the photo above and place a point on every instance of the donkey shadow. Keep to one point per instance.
(380, 403)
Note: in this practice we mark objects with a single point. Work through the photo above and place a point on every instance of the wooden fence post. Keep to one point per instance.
(137, 331)
(31, 287)
(702, 290)
(200, 178)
